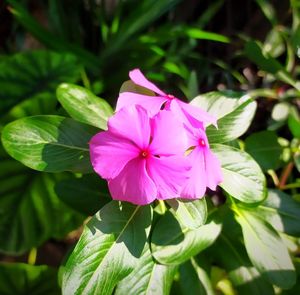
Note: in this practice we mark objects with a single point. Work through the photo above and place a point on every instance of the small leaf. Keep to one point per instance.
(281, 211)
(191, 213)
(148, 278)
(242, 177)
(86, 194)
(264, 148)
(83, 106)
(108, 250)
(20, 278)
(173, 243)
(34, 74)
(49, 143)
(266, 250)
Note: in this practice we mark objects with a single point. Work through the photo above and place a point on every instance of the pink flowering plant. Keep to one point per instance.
(167, 184)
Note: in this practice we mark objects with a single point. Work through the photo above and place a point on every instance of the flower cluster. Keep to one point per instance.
(155, 147)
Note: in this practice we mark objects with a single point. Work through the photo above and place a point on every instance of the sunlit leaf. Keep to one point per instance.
(148, 278)
(49, 143)
(266, 250)
(242, 177)
(82, 105)
(108, 250)
(173, 243)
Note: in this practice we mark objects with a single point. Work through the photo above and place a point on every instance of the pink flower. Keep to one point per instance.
(141, 157)
(206, 168)
(186, 112)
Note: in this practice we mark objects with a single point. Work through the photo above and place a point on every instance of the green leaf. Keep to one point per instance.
(242, 177)
(83, 106)
(191, 213)
(266, 250)
(268, 11)
(29, 207)
(173, 243)
(233, 110)
(264, 148)
(34, 74)
(150, 10)
(194, 279)
(49, 143)
(196, 33)
(245, 278)
(219, 103)
(281, 211)
(108, 250)
(269, 64)
(147, 278)
(20, 278)
(294, 122)
(86, 194)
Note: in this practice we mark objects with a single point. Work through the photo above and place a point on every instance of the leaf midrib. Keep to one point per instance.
(106, 254)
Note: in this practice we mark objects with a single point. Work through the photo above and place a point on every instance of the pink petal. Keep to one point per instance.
(138, 78)
(169, 136)
(133, 184)
(213, 169)
(152, 104)
(132, 123)
(110, 153)
(195, 114)
(195, 187)
(169, 174)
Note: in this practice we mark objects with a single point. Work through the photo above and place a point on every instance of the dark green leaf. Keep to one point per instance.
(243, 275)
(264, 148)
(29, 207)
(173, 243)
(108, 250)
(150, 10)
(34, 74)
(266, 250)
(147, 278)
(194, 279)
(82, 105)
(86, 194)
(268, 63)
(282, 212)
(49, 143)
(21, 279)
(191, 213)
(242, 177)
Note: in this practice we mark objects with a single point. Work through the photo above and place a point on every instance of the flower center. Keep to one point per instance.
(201, 142)
(144, 154)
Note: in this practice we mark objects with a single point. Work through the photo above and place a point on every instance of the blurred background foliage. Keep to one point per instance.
(190, 47)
